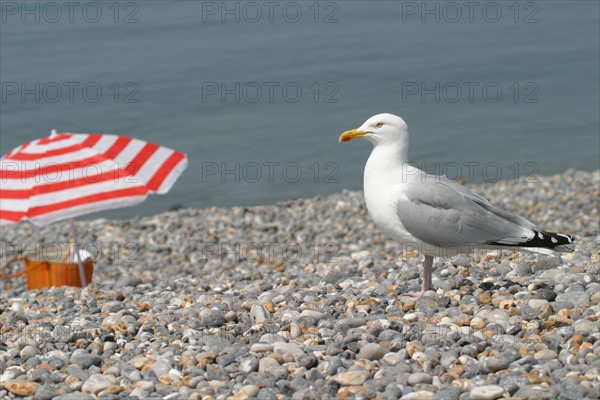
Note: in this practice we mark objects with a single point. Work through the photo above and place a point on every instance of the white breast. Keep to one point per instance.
(382, 195)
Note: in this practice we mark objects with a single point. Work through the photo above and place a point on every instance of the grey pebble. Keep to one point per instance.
(419, 378)
(523, 269)
(75, 396)
(179, 323)
(535, 392)
(495, 363)
(545, 294)
(585, 326)
(285, 347)
(577, 298)
(78, 372)
(372, 351)
(447, 393)
(85, 361)
(569, 388)
(488, 392)
(97, 382)
(259, 313)
(49, 391)
(546, 263)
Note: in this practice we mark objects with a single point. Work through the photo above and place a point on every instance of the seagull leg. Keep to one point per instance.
(427, 270)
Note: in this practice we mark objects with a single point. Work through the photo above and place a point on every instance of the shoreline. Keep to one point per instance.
(305, 299)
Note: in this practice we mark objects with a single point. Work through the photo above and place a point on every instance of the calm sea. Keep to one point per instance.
(257, 93)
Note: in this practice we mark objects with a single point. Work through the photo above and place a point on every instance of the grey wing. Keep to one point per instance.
(445, 214)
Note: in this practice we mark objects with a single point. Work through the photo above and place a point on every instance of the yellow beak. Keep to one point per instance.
(351, 135)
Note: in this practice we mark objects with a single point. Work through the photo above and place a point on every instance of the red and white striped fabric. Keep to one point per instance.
(69, 174)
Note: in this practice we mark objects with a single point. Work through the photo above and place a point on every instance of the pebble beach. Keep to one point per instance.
(306, 299)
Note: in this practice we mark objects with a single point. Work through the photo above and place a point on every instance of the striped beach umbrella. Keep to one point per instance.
(66, 175)
(70, 174)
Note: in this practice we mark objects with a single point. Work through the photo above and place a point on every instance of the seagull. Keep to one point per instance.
(433, 214)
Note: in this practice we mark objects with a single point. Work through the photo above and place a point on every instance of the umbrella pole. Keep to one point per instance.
(77, 255)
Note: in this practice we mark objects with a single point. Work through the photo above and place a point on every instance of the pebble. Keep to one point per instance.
(420, 395)
(248, 365)
(316, 315)
(353, 378)
(267, 365)
(49, 391)
(261, 348)
(392, 358)
(578, 299)
(545, 294)
(538, 304)
(97, 383)
(29, 351)
(545, 263)
(84, 361)
(535, 392)
(247, 391)
(585, 326)
(259, 313)
(21, 387)
(75, 396)
(488, 392)
(523, 269)
(493, 364)
(285, 348)
(545, 355)
(419, 378)
(372, 351)
(184, 322)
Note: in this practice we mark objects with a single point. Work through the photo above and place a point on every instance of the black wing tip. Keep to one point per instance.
(548, 240)
(562, 238)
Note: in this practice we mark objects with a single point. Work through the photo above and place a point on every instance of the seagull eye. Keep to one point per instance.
(379, 124)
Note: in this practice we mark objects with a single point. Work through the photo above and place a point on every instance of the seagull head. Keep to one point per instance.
(381, 129)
